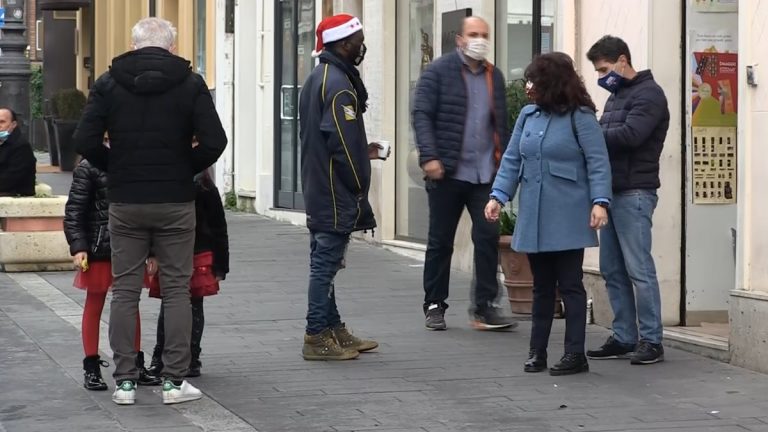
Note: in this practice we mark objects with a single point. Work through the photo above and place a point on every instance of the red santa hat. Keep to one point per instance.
(335, 28)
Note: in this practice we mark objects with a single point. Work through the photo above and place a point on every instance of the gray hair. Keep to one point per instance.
(153, 32)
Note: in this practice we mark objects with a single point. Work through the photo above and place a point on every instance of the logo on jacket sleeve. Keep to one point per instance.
(350, 114)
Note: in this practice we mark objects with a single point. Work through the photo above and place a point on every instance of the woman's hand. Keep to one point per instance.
(79, 258)
(599, 217)
(492, 210)
(151, 266)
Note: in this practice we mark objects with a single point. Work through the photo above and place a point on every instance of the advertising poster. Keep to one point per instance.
(715, 5)
(714, 165)
(715, 84)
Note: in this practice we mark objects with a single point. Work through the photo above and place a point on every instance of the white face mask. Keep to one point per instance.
(477, 48)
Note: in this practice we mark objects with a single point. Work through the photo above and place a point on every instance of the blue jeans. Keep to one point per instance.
(326, 256)
(626, 261)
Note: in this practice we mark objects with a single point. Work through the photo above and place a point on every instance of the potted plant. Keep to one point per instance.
(518, 278)
(38, 135)
(68, 105)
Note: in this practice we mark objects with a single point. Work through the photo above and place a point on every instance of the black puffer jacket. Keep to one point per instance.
(635, 123)
(211, 225)
(86, 214)
(152, 105)
(440, 111)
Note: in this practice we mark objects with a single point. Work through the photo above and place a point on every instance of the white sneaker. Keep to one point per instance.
(125, 393)
(173, 394)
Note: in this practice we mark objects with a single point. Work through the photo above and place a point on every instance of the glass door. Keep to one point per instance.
(294, 43)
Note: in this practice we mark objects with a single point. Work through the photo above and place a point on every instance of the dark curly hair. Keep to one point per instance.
(557, 87)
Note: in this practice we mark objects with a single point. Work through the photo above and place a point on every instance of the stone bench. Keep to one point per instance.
(32, 235)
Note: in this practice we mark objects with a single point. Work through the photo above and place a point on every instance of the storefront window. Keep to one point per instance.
(200, 8)
(295, 41)
(427, 29)
(419, 42)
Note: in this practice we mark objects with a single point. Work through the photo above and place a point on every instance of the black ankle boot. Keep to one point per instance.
(145, 378)
(92, 376)
(570, 363)
(537, 361)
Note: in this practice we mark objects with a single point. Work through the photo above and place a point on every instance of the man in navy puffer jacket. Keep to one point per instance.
(460, 122)
(635, 122)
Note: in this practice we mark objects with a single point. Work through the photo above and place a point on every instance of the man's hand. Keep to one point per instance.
(79, 258)
(599, 217)
(373, 150)
(492, 210)
(433, 169)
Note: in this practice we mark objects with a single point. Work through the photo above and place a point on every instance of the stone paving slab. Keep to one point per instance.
(458, 380)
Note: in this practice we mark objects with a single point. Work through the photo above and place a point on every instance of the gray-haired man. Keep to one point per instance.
(151, 104)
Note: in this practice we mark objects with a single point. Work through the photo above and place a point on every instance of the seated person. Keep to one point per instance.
(17, 161)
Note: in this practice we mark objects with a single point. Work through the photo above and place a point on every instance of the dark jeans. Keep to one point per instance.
(198, 324)
(447, 200)
(326, 256)
(558, 270)
(169, 229)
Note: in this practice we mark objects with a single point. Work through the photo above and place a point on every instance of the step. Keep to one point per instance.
(692, 339)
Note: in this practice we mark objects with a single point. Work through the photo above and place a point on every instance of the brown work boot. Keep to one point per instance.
(323, 346)
(346, 340)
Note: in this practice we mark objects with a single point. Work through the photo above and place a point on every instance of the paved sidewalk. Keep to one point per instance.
(254, 377)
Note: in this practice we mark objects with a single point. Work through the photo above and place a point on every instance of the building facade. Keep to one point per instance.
(707, 235)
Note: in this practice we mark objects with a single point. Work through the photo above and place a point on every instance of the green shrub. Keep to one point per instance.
(69, 104)
(36, 92)
(516, 99)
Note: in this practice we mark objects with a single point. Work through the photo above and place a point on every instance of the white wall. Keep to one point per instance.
(253, 102)
(646, 26)
(753, 152)
(224, 96)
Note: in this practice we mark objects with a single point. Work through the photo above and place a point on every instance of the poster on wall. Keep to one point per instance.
(714, 80)
(714, 165)
(715, 5)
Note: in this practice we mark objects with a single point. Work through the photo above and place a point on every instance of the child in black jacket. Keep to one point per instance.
(86, 219)
(211, 265)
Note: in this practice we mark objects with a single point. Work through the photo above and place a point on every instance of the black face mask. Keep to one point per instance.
(360, 55)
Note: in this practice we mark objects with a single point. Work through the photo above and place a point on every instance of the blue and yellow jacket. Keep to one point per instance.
(335, 169)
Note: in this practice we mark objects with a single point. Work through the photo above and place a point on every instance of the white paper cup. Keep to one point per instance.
(384, 150)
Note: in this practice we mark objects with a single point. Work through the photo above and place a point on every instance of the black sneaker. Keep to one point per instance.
(570, 363)
(611, 349)
(435, 318)
(647, 353)
(490, 318)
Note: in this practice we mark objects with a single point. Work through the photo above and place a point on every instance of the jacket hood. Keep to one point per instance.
(149, 70)
(641, 76)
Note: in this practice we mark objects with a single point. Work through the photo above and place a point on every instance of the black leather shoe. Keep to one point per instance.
(537, 361)
(570, 363)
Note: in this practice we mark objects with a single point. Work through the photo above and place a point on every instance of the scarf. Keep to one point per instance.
(352, 73)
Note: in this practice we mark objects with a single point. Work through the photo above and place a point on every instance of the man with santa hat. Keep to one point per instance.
(336, 177)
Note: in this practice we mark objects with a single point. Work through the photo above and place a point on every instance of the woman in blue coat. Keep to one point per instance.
(558, 158)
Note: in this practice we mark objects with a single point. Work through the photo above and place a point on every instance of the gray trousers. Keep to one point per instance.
(169, 231)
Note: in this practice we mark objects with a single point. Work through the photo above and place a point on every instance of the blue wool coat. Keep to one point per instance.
(559, 179)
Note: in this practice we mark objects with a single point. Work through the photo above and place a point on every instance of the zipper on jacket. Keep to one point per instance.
(98, 239)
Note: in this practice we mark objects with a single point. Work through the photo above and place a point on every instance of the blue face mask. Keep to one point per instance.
(612, 81)
(4, 135)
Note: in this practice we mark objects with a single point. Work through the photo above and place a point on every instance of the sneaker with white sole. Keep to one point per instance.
(125, 393)
(173, 394)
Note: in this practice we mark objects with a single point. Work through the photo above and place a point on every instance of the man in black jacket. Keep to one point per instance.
(460, 122)
(152, 105)
(17, 160)
(635, 122)
(336, 177)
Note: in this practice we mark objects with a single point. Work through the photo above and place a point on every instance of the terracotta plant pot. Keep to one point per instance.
(517, 276)
(518, 279)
